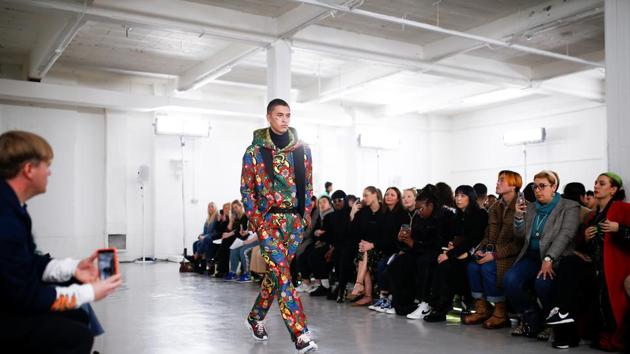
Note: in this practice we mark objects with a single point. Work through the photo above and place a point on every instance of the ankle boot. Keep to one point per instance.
(483, 311)
(499, 317)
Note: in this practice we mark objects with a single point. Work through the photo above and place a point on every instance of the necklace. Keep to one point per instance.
(538, 224)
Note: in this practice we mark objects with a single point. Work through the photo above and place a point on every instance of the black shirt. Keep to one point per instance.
(280, 141)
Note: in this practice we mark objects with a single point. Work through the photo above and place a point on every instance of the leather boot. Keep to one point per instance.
(483, 311)
(499, 317)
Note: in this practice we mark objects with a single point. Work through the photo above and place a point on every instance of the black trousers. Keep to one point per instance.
(344, 264)
(576, 285)
(312, 261)
(63, 332)
(450, 278)
(222, 257)
(410, 278)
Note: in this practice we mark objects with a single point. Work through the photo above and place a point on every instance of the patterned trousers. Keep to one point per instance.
(279, 238)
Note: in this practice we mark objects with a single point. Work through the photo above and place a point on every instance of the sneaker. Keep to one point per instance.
(556, 317)
(303, 288)
(244, 278)
(375, 306)
(319, 291)
(435, 316)
(257, 329)
(304, 344)
(386, 305)
(391, 311)
(564, 344)
(422, 310)
(230, 276)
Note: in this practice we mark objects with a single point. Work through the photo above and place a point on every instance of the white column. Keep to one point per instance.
(617, 18)
(279, 71)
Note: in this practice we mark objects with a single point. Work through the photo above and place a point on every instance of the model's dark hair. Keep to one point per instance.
(276, 102)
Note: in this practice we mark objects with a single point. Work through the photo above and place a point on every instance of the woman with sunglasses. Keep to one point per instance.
(547, 227)
(589, 283)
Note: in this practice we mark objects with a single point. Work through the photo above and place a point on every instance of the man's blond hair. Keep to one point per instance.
(19, 147)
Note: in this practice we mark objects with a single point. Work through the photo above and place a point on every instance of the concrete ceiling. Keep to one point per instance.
(337, 57)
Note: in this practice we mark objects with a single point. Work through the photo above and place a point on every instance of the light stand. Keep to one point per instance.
(142, 176)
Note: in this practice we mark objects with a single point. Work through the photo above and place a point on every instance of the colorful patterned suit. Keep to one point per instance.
(262, 189)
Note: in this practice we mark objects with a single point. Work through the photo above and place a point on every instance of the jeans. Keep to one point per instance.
(239, 254)
(521, 279)
(483, 281)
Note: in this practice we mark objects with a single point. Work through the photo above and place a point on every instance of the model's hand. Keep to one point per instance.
(103, 288)
(87, 271)
(546, 271)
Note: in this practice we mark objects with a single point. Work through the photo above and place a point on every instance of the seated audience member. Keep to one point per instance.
(410, 271)
(482, 194)
(222, 257)
(599, 267)
(38, 315)
(345, 248)
(445, 197)
(576, 192)
(528, 193)
(238, 230)
(590, 202)
(351, 199)
(319, 254)
(204, 248)
(547, 227)
(366, 219)
(394, 216)
(494, 256)
(490, 201)
(468, 229)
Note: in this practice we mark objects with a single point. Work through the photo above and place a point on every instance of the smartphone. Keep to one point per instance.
(107, 262)
(521, 198)
(405, 227)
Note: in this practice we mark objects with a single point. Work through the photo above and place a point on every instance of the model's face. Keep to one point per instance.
(369, 198)
(391, 198)
(503, 186)
(462, 201)
(38, 173)
(408, 200)
(279, 119)
(324, 205)
(603, 188)
(543, 190)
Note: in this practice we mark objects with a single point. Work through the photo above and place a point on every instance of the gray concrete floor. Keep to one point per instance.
(160, 311)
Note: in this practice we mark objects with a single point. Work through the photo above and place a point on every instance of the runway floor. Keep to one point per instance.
(160, 311)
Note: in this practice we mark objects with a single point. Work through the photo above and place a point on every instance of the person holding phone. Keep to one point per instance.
(37, 315)
(588, 281)
(276, 187)
(547, 228)
(494, 255)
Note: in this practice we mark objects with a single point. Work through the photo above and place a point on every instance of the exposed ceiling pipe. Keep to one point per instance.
(425, 26)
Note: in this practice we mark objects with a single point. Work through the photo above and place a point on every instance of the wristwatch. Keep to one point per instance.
(548, 259)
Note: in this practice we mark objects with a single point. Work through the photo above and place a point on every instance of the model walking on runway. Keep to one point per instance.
(276, 186)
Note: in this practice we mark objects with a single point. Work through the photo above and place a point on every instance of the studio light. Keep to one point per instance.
(524, 136)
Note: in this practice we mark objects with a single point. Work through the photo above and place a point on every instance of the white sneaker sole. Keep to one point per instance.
(251, 331)
(312, 347)
(566, 320)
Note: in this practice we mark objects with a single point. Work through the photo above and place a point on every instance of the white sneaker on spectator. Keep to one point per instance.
(312, 287)
(303, 288)
(422, 310)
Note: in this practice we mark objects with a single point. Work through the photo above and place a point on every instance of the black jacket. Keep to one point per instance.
(428, 235)
(468, 228)
(367, 225)
(392, 220)
(21, 269)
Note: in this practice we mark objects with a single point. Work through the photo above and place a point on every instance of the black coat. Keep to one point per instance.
(428, 235)
(468, 229)
(367, 225)
(392, 220)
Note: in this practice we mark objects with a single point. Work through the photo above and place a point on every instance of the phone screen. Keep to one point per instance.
(106, 264)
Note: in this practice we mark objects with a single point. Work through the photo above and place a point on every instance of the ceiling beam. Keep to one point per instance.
(561, 68)
(55, 34)
(346, 82)
(524, 23)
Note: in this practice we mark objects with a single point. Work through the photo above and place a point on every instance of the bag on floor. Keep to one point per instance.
(186, 267)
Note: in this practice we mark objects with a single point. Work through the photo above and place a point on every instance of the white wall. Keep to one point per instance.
(575, 147)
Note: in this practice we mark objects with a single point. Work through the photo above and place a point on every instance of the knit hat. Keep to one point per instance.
(339, 194)
(615, 177)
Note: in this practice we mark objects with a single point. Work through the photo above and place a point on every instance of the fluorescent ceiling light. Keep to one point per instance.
(181, 126)
(524, 136)
(496, 96)
(204, 80)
